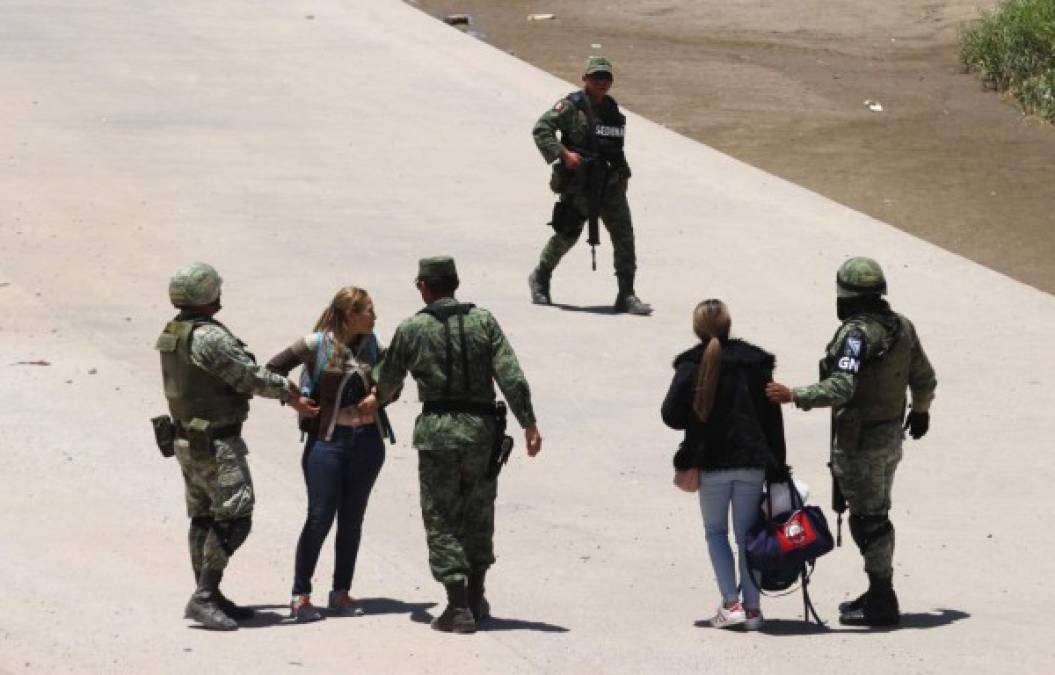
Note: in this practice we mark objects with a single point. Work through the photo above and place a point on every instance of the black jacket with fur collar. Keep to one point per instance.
(744, 430)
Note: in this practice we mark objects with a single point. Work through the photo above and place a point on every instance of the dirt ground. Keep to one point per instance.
(783, 87)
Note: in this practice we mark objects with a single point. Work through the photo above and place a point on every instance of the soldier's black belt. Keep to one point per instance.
(470, 407)
(220, 432)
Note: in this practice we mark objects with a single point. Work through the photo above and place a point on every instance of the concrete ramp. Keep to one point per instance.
(301, 147)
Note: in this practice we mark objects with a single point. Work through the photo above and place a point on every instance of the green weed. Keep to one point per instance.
(1013, 50)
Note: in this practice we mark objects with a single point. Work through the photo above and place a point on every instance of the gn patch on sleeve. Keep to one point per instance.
(851, 353)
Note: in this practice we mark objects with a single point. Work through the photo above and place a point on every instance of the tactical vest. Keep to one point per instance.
(443, 315)
(609, 125)
(191, 391)
(883, 378)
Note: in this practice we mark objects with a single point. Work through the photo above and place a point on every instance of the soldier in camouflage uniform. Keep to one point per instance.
(873, 357)
(209, 378)
(456, 352)
(576, 146)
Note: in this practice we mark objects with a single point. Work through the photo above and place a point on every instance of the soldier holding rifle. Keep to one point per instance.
(874, 357)
(590, 173)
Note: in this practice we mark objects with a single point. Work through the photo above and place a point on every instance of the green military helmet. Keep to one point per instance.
(194, 285)
(598, 64)
(860, 276)
(436, 267)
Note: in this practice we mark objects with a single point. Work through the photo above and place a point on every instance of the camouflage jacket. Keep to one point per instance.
(858, 339)
(572, 124)
(419, 346)
(217, 351)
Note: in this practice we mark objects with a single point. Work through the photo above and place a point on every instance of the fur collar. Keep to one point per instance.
(734, 351)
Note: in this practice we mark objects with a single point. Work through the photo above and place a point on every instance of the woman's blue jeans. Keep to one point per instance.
(340, 474)
(742, 490)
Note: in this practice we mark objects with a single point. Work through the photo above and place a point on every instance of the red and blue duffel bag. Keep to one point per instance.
(788, 540)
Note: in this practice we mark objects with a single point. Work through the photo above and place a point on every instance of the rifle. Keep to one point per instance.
(596, 181)
(503, 444)
(596, 169)
(839, 506)
(838, 500)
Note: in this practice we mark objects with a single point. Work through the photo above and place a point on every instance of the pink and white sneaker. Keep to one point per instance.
(728, 617)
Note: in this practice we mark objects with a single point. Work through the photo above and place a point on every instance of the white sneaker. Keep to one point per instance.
(729, 616)
(754, 619)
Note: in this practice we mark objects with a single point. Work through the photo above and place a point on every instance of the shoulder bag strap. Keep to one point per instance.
(322, 356)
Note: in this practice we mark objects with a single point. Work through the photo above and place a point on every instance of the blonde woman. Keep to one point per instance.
(344, 451)
(733, 435)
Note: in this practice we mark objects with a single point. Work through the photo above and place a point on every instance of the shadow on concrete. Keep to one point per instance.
(263, 618)
(921, 620)
(496, 624)
(266, 618)
(909, 621)
(418, 611)
(588, 309)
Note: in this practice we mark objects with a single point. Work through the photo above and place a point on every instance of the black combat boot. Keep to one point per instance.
(862, 531)
(236, 612)
(456, 618)
(852, 605)
(879, 608)
(627, 301)
(203, 606)
(478, 604)
(538, 282)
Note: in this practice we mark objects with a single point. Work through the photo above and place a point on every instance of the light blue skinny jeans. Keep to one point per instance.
(741, 489)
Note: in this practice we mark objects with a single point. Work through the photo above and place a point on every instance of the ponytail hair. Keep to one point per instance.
(710, 322)
(348, 300)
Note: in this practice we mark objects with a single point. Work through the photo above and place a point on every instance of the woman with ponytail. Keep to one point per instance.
(733, 435)
(344, 450)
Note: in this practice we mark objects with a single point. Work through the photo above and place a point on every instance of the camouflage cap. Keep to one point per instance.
(194, 285)
(437, 267)
(860, 276)
(598, 64)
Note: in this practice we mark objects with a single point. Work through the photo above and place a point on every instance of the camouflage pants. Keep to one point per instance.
(458, 508)
(615, 214)
(219, 491)
(864, 461)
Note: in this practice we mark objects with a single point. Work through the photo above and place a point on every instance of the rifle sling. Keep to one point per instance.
(582, 102)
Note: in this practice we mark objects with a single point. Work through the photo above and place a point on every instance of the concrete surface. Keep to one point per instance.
(782, 85)
(299, 154)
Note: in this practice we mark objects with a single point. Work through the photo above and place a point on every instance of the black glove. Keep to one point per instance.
(917, 424)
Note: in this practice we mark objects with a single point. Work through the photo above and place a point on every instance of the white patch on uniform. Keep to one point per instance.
(559, 106)
(853, 344)
(848, 364)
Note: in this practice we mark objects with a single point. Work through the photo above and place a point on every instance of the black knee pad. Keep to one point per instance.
(866, 530)
(201, 522)
(232, 533)
(239, 533)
